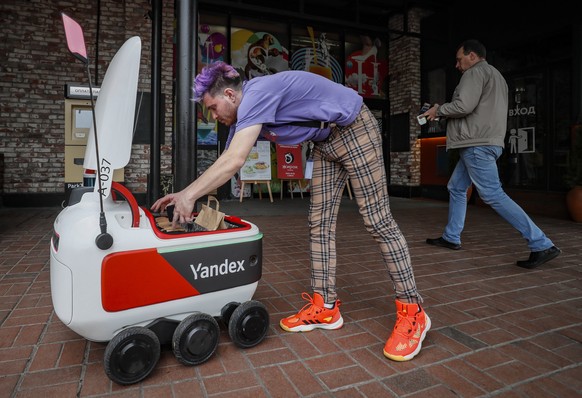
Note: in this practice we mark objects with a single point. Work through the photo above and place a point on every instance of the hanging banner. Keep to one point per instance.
(289, 164)
(257, 167)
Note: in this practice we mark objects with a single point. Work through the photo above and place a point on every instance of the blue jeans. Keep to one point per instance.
(478, 165)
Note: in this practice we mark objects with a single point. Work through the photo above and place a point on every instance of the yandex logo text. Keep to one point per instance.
(209, 271)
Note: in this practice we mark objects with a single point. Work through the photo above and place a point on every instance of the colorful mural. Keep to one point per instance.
(366, 69)
(315, 56)
(212, 47)
(257, 53)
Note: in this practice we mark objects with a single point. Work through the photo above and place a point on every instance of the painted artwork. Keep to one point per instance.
(316, 53)
(212, 47)
(366, 67)
(212, 44)
(257, 53)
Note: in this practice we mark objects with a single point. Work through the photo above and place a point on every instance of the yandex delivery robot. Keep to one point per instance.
(118, 277)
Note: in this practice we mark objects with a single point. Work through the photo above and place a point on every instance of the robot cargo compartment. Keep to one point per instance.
(164, 229)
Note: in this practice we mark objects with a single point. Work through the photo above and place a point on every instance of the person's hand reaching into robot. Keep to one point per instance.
(183, 207)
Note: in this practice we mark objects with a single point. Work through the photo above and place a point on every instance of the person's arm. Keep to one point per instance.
(466, 96)
(216, 175)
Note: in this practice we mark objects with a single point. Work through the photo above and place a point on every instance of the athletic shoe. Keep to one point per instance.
(411, 326)
(313, 315)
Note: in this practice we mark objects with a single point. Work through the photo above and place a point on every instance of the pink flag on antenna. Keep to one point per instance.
(75, 39)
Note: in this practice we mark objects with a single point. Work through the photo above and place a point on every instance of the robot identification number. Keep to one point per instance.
(105, 177)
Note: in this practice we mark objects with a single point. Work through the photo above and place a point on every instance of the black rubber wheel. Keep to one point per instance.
(227, 310)
(131, 355)
(248, 324)
(195, 339)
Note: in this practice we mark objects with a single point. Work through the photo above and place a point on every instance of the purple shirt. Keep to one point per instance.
(294, 96)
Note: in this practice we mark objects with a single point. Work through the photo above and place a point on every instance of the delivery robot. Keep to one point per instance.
(118, 276)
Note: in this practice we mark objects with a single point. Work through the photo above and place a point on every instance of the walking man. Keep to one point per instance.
(476, 126)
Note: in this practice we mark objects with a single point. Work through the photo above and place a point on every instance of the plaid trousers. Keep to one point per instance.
(354, 152)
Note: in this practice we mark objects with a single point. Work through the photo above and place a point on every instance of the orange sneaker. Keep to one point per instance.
(313, 316)
(411, 326)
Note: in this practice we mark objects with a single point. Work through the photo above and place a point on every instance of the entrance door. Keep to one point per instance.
(537, 129)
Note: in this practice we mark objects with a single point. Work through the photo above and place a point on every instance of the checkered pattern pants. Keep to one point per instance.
(354, 152)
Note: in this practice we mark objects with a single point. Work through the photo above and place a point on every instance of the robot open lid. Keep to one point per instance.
(118, 277)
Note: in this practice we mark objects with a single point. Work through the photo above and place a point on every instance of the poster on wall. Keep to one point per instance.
(366, 66)
(316, 52)
(212, 44)
(212, 47)
(257, 53)
(257, 166)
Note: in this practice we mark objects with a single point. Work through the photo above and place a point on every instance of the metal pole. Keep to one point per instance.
(156, 109)
(577, 73)
(97, 30)
(185, 142)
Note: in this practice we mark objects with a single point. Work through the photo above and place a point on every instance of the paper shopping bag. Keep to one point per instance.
(209, 218)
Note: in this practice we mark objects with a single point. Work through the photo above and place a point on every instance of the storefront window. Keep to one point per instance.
(317, 51)
(538, 129)
(561, 86)
(524, 159)
(259, 48)
(366, 67)
(212, 46)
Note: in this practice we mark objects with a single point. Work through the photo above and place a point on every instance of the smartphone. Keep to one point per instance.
(422, 119)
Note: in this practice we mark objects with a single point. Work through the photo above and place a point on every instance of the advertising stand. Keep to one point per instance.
(290, 167)
(257, 168)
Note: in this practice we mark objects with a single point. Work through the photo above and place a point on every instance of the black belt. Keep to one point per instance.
(309, 123)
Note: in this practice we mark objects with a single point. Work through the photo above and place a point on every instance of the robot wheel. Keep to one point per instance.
(131, 355)
(248, 324)
(195, 339)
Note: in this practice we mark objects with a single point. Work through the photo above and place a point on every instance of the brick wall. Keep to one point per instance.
(35, 65)
(404, 56)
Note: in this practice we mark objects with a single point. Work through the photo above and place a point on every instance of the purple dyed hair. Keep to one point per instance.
(214, 78)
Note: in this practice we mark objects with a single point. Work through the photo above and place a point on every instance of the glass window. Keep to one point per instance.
(561, 89)
(259, 48)
(212, 41)
(366, 66)
(525, 146)
(538, 129)
(317, 51)
(212, 46)
(436, 86)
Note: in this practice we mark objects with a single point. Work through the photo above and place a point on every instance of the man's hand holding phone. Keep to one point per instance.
(427, 113)
(421, 114)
